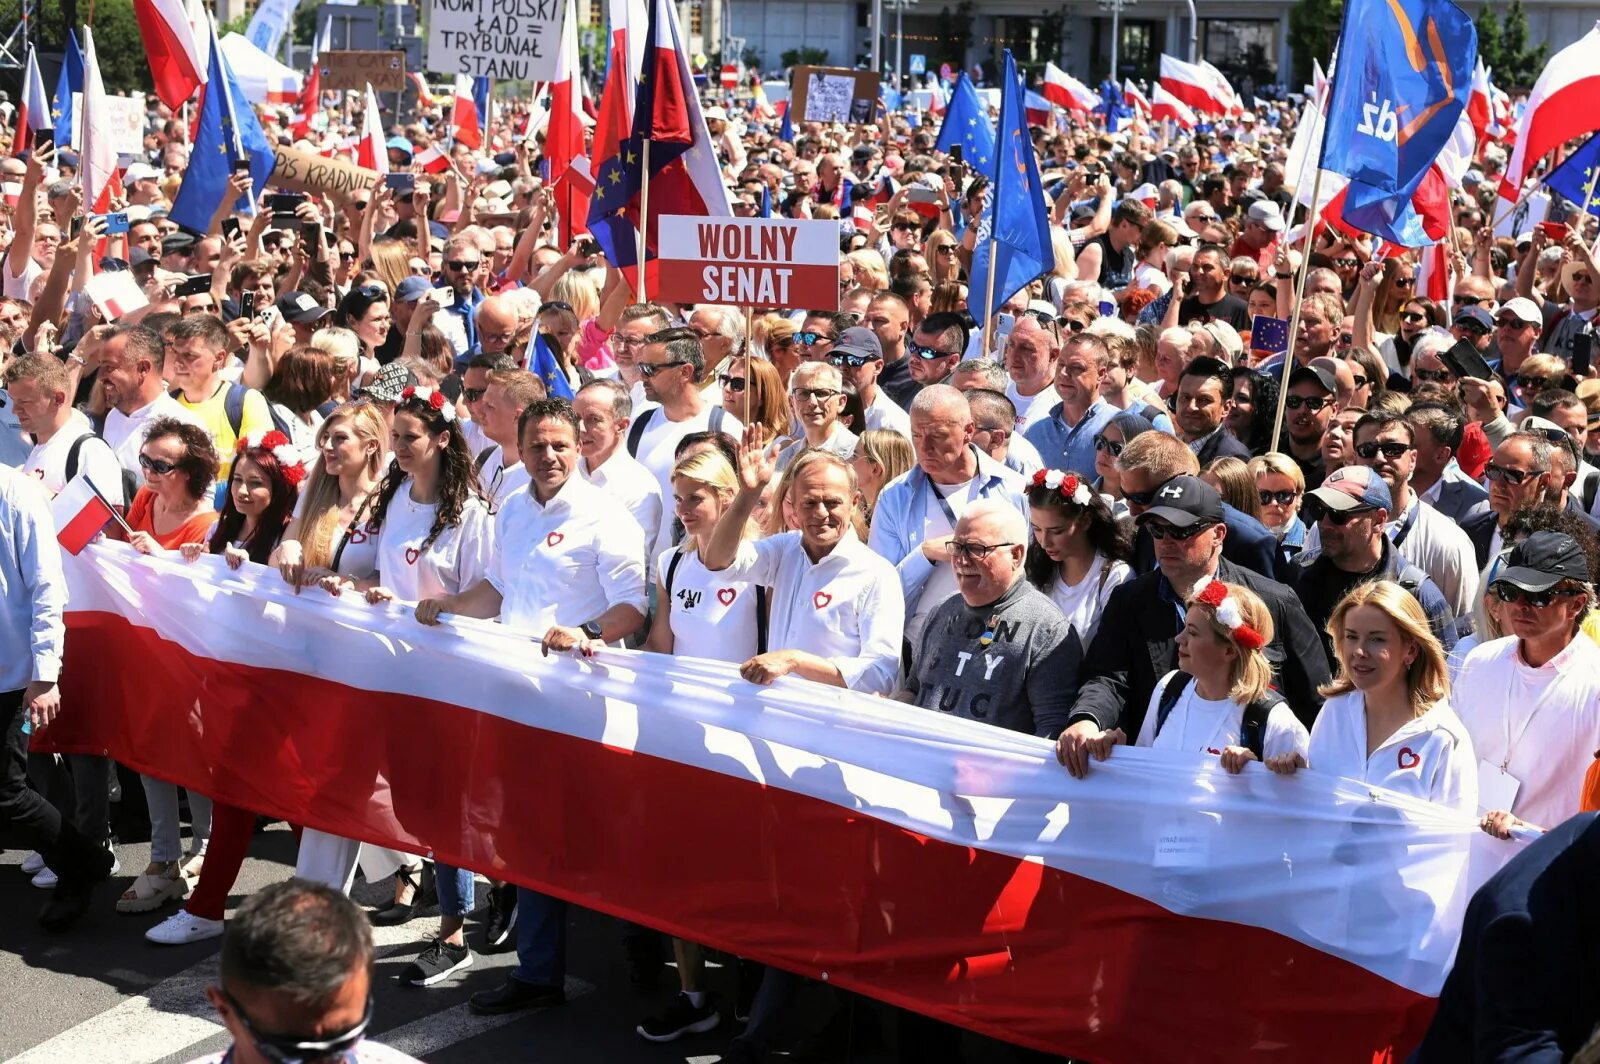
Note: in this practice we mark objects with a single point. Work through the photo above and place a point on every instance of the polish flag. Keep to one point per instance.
(1225, 93)
(370, 150)
(1164, 104)
(33, 110)
(1067, 92)
(1036, 109)
(98, 165)
(1561, 107)
(432, 160)
(310, 102)
(1147, 194)
(1134, 98)
(466, 122)
(199, 20)
(80, 512)
(1480, 103)
(1194, 84)
(176, 63)
(1436, 279)
(563, 141)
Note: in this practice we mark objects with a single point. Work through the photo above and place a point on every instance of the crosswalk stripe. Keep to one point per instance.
(424, 1037)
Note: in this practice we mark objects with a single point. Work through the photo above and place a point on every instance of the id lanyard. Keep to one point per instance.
(1512, 744)
(1404, 530)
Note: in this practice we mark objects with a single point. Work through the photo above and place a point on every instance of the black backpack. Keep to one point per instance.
(636, 430)
(1252, 729)
(233, 408)
(130, 483)
(761, 601)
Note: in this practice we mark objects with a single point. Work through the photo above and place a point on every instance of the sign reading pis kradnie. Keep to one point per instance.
(504, 39)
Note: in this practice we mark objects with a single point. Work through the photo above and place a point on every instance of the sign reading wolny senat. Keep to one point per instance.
(504, 39)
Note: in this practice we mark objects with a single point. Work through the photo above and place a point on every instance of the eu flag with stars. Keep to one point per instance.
(1575, 180)
(542, 362)
(227, 131)
(966, 122)
(1269, 334)
(70, 81)
(1014, 230)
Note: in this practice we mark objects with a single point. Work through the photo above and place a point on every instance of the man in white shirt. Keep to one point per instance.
(129, 357)
(569, 567)
(638, 323)
(1030, 357)
(64, 442)
(1531, 702)
(507, 393)
(671, 364)
(604, 413)
(858, 356)
(837, 610)
(816, 399)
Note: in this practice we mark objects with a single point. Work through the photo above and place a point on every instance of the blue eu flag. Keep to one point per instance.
(227, 131)
(1269, 334)
(542, 362)
(1576, 178)
(69, 82)
(966, 123)
(1014, 229)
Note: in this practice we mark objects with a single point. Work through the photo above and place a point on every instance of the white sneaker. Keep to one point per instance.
(45, 879)
(32, 863)
(183, 927)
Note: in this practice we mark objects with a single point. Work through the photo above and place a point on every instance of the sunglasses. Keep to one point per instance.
(1465, 301)
(1532, 384)
(975, 552)
(1312, 403)
(1281, 498)
(922, 352)
(555, 305)
(473, 395)
(1411, 317)
(372, 291)
(1347, 263)
(1073, 324)
(733, 384)
(1111, 446)
(818, 395)
(1241, 279)
(1472, 328)
(906, 227)
(1162, 530)
(1435, 376)
(853, 361)
(1500, 474)
(650, 369)
(158, 466)
(1314, 511)
(1360, 379)
(460, 264)
(347, 256)
(945, 249)
(812, 339)
(1580, 277)
(1512, 323)
(1508, 593)
(1404, 282)
(282, 1049)
(1390, 448)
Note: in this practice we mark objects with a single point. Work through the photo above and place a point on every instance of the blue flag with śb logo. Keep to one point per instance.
(1269, 334)
(1578, 179)
(1014, 228)
(1403, 77)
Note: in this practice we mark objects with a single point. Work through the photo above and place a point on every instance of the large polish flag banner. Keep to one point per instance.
(1159, 910)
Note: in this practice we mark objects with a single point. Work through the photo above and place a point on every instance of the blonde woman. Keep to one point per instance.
(882, 455)
(326, 534)
(1235, 483)
(870, 269)
(1387, 720)
(755, 382)
(1280, 487)
(353, 369)
(1064, 266)
(944, 265)
(780, 347)
(391, 261)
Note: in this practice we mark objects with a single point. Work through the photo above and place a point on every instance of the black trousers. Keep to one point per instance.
(26, 811)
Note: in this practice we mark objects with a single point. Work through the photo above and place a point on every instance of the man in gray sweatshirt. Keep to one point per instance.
(999, 650)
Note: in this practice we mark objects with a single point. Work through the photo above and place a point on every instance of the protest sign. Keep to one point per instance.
(127, 122)
(834, 94)
(384, 71)
(749, 262)
(304, 171)
(513, 40)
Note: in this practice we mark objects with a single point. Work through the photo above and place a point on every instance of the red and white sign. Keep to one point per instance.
(730, 75)
(749, 262)
(116, 293)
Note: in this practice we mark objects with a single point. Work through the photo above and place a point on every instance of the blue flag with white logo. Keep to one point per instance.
(1014, 228)
(70, 81)
(966, 122)
(1403, 77)
(1578, 179)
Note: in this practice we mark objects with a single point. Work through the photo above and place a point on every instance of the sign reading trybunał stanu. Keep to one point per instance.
(502, 39)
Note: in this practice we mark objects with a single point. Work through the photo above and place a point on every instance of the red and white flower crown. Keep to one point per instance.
(1067, 485)
(290, 460)
(1226, 608)
(433, 397)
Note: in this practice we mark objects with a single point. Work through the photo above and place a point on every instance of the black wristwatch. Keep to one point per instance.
(592, 629)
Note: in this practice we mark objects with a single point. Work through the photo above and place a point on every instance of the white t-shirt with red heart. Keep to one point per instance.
(453, 562)
(713, 616)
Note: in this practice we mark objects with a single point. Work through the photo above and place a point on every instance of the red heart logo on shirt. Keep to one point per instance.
(553, 538)
(412, 554)
(821, 599)
(1407, 758)
(727, 595)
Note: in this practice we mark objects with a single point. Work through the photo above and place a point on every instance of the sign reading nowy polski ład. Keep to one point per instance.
(749, 262)
(509, 40)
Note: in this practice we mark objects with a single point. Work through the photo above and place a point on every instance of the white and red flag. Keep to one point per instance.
(1066, 91)
(1561, 106)
(80, 513)
(465, 120)
(371, 151)
(33, 109)
(1134, 98)
(563, 140)
(1195, 84)
(178, 64)
(98, 165)
(1164, 104)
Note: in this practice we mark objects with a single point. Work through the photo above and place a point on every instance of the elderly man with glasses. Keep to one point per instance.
(1520, 474)
(816, 399)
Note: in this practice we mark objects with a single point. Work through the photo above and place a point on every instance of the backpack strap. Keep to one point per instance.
(233, 407)
(72, 455)
(482, 458)
(636, 430)
(1253, 727)
(1169, 698)
(672, 572)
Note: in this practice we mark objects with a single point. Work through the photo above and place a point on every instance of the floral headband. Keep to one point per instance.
(433, 397)
(1215, 595)
(1067, 485)
(290, 461)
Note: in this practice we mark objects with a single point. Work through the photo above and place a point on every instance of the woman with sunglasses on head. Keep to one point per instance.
(1078, 552)
(1413, 317)
(1120, 431)
(180, 465)
(364, 310)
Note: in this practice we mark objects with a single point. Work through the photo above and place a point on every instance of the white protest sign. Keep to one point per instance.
(127, 122)
(749, 262)
(502, 39)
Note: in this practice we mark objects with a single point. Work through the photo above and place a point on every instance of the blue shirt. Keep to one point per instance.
(1070, 447)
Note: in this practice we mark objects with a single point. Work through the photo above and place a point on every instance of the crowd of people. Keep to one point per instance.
(1104, 518)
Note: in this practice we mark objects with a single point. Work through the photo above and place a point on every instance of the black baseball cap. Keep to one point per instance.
(1543, 560)
(301, 309)
(1184, 501)
(859, 342)
(1318, 375)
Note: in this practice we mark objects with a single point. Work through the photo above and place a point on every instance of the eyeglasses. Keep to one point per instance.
(812, 339)
(555, 305)
(372, 291)
(853, 361)
(460, 264)
(1314, 511)
(473, 395)
(1312, 403)
(650, 369)
(158, 466)
(1346, 263)
(1073, 324)
(1411, 317)
(928, 353)
(1472, 328)
(1506, 475)
(282, 1049)
(1435, 376)
(1360, 379)
(1282, 498)
(1103, 444)
(906, 227)
(1390, 448)
(975, 552)
(1241, 279)
(1532, 384)
(347, 256)
(814, 395)
(733, 384)
(1508, 592)
(1162, 530)
(944, 249)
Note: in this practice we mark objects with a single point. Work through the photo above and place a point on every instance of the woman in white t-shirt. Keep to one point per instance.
(1079, 553)
(1387, 720)
(700, 614)
(1225, 677)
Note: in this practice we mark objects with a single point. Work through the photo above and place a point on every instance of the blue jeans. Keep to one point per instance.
(456, 895)
(541, 939)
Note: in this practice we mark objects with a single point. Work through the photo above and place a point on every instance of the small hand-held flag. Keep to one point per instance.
(81, 512)
(1269, 335)
(1578, 179)
(227, 131)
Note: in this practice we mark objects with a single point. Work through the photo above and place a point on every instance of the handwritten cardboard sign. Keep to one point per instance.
(304, 171)
(385, 71)
(834, 94)
(501, 39)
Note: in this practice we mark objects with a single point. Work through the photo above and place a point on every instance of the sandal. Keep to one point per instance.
(423, 894)
(152, 890)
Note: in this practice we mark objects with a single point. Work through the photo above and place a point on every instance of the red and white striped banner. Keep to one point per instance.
(1159, 910)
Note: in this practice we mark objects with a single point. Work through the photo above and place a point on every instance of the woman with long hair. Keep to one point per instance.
(262, 490)
(1158, 238)
(781, 350)
(950, 297)
(944, 267)
(434, 538)
(391, 261)
(365, 311)
(302, 384)
(1399, 284)
(1255, 404)
(1079, 553)
(1387, 719)
(882, 455)
(755, 381)
(1413, 316)
(1235, 483)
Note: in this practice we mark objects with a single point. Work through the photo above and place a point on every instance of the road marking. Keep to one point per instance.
(431, 1034)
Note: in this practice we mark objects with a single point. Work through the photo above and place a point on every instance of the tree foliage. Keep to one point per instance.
(1503, 46)
(1313, 28)
(117, 44)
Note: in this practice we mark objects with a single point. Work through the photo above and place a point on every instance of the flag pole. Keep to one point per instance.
(1294, 315)
(644, 212)
(749, 326)
(115, 513)
(988, 296)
